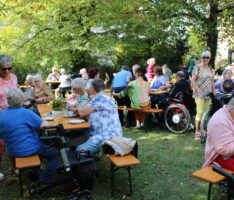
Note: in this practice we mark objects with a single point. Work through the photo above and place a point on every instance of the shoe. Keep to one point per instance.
(1, 176)
(138, 126)
(197, 136)
(142, 124)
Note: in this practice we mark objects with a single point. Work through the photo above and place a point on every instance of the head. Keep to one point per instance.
(37, 81)
(78, 86)
(93, 73)
(151, 61)
(83, 71)
(140, 72)
(29, 80)
(15, 98)
(85, 77)
(180, 75)
(205, 57)
(227, 74)
(125, 67)
(5, 66)
(134, 68)
(158, 71)
(228, 85)
(54, 70)
(63, 71)
(96, 87)
(164, 66)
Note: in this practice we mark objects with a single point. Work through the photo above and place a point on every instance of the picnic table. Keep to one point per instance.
(51, 82)
(157, 92)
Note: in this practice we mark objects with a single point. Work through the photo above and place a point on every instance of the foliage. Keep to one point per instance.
(58, 104)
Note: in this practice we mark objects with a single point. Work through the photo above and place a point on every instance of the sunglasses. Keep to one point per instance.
(7, 68)
(205, 57)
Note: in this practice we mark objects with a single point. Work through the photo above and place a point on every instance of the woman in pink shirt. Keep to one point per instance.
(220, 141)
(7, 81)
(150, 69)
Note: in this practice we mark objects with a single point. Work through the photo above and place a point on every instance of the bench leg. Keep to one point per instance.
(129, 180)
(21, 183)
(112, 180)
(209, 191)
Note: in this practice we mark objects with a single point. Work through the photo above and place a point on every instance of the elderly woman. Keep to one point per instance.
(203, 84)
(17, 130)
(54, 76)
(150, 69)
(7, 82)
(227, 75)
(220, 138)
(65, 83)
(103, 118)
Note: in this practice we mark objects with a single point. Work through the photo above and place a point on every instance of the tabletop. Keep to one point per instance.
(52, 82)
(44, 109)
(158, 92)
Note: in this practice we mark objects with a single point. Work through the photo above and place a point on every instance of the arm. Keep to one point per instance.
(44, 123)
(85, 111)
(193, 83)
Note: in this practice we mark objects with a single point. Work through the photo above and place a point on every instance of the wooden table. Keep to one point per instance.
(51, 82)
(44, 109)
(158, 92)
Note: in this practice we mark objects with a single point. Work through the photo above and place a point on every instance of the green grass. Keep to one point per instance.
(167, 162)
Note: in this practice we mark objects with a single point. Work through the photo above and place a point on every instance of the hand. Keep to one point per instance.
(39, 100)
(198, 90)
(107, 78)
(115, 94)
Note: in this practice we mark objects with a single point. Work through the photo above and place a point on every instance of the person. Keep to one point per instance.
(159, 80)
(150, 69)
(138, 92)
(78, 87)
(93, 74)
(54, 76)
(29, 84)
(167, 71)
(83, 71)
(203, 84)
(227, 75)
(219, 149)
(8, 81)
(134, 68)
(18, 132)
(65, 83)
(103, 118)
(192, 63)
(119, 83)
(184, 69)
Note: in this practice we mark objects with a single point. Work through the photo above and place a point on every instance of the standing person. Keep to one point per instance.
(119, 83)
(54, 76)
(65, 83)
(192, 63)
(150, 69)
(8, 81)
(203, 84)
(167, 71)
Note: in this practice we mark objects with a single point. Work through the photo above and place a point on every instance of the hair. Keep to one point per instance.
(54, 69)
(92, 72)
(226, 71)
(180, 74)
(63, 71)
(98, 85)
(79, 83)
(37, 78)
(29, 77)
(5, 59)
(125, 67)
(136, 66)
(15, 98)
(228, 86)
(150, 60)
(165, 66)
(206, 53)
(158, 70)
(141, 71)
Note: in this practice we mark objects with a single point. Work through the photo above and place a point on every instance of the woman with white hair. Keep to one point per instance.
(8, 81)
(203, 84)
(18, 132)
(150, 69)
(54, 76)
(227, 75)
(220, 138)
(65, 83)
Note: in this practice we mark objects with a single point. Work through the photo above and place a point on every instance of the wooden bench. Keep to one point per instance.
(126, 162)
(25, 163)
(207, 174)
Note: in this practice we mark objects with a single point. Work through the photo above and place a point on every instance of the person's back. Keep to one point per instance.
(120, 79)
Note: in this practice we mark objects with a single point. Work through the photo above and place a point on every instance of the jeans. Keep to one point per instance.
(89, 146)
(52, 156)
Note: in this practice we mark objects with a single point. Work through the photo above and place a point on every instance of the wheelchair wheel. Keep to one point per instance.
(204, 124)
(177, 118)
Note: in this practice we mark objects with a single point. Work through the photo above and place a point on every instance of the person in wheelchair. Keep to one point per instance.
(219, 149)
(18, 132)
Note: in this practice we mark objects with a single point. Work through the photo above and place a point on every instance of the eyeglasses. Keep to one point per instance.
(205, 57)
(7, 68)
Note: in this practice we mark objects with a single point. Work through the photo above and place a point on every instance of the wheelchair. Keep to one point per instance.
(78, 167)
(177, 116)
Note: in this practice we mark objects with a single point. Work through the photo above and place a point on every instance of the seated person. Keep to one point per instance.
(219, 149)
(103, 118)
(138, 92)
(21, 140)
(71, 99)
(29, 83)
(227, 75)
(65, 83)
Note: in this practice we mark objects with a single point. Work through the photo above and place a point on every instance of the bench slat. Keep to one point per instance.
(123, 161)
(30, 161)
(151, 110)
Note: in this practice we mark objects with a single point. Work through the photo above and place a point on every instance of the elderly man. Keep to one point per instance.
(220, 138)
(119, 83)
(17, 130)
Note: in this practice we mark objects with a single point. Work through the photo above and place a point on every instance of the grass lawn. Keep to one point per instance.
(167, 162)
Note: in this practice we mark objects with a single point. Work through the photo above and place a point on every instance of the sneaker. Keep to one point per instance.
(1, 176)
(197, 136)
(138, 126)
(142, 124)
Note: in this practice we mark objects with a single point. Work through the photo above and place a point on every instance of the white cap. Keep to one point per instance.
(206, 54)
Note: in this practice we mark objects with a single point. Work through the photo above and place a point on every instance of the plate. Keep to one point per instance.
(76, 121)
(73, 115)
(48, 118)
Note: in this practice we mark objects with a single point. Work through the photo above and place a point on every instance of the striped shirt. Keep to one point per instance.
(204, 81)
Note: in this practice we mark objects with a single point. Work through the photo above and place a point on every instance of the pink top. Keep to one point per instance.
(150, 69)
(220, 140)
(5, 86)
(72, 99)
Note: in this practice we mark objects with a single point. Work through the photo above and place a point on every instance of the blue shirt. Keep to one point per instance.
(17, 130)
(159, 81)
(120, 79)
(104, 121)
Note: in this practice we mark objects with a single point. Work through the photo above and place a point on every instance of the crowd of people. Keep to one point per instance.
(87, 98)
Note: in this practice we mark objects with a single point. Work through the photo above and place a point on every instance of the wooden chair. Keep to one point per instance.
(118, 162)
(26, 163)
